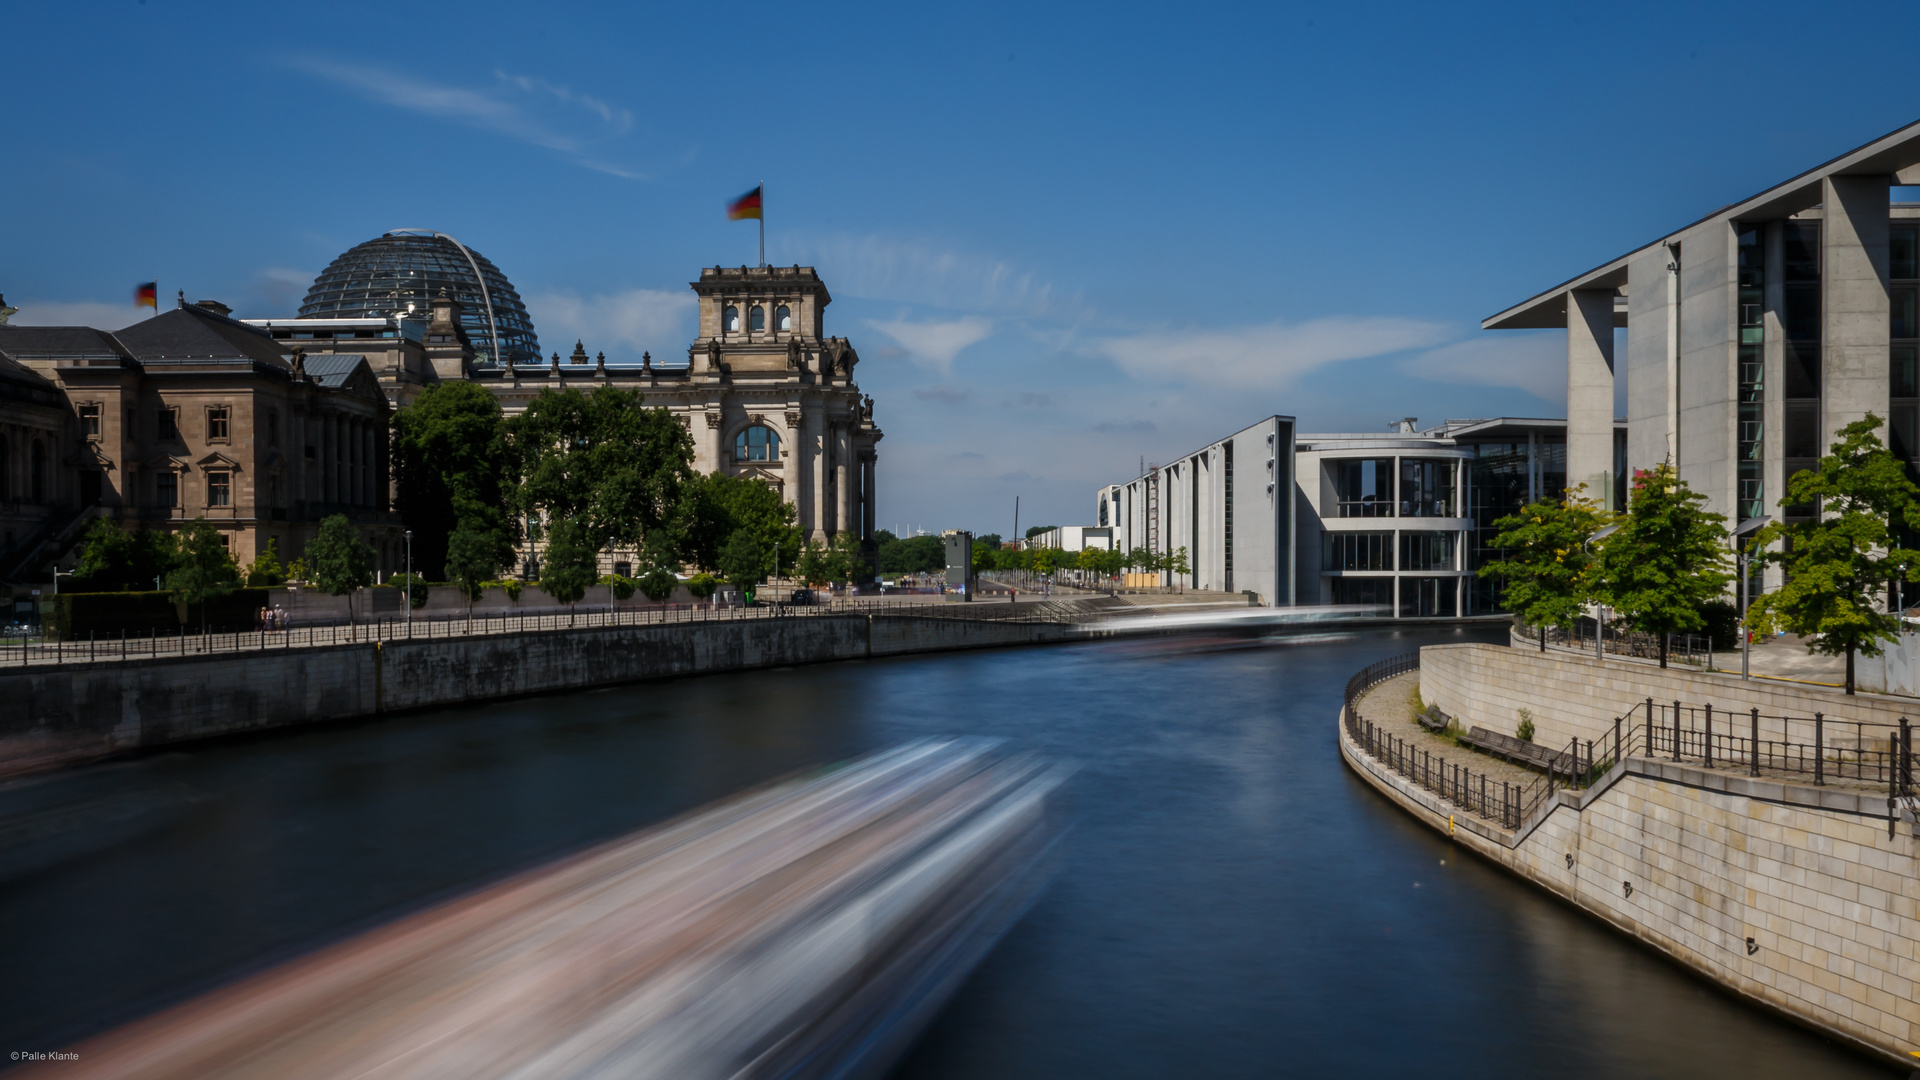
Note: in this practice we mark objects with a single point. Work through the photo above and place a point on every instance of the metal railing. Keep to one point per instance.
(1499, 800)
(1692, 649)
(128, 647)
(1876, 756)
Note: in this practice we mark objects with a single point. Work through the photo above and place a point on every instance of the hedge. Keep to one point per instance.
(108, 614)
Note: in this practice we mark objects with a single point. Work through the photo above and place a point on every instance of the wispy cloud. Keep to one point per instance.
(948, 395)
(504, 108)
(876, 267)
(638, 320)
(1268, 357)
(1536, 363)
(933, 344)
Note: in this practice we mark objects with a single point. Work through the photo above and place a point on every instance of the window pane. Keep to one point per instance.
(1802, 371)
(783, 318)
(1803, 251)
(1426, 488)
(1801, 315)
(1903, 314)
(731, 320)
(1802, 432)
(1906, 259)
(1364, 488)
(757, 318)
(1902, 382)
(1901, 433)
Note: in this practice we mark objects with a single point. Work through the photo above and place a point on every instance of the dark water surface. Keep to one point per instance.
(1232, 902)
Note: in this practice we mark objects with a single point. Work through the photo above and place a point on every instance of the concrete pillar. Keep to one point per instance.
(1590, 391)
(1854, 305)
(791, 443)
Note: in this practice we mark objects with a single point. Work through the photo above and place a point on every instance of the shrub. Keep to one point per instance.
(1525, 731)
(702, 585)
(415, 585)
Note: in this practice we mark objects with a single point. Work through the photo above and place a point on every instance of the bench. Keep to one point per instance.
(1433, 719)
(1518, 751)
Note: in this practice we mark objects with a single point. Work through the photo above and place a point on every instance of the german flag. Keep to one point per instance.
(147, 295)
(746, 206)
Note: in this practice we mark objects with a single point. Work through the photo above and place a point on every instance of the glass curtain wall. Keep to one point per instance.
(1356, 551)
(1753, 367)
(1364, 487)
(1800, 323)
(1903, 434)
(1426, 488)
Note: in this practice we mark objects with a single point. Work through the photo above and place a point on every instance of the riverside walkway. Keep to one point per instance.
(125, 647)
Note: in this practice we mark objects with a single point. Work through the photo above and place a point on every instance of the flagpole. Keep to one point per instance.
(763, 224)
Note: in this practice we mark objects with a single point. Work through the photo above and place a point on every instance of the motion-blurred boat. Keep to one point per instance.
(807, 929)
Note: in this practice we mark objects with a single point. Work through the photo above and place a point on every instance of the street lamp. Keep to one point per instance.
(57, 575)
(611, 599)
(1747, 528)
(409, 591)
(1599, 608)
(774, 596)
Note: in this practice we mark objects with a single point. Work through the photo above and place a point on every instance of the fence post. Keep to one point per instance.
(1906, 757)
(1676, 731)
(1709, 736)
(1819, 749)
(1893, 782)
(1649, 727)
(1619, 754)
(1756, 742)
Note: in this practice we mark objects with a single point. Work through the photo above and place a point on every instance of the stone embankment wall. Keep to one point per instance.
(76, 712)
(1572, 696)
(1793, 896)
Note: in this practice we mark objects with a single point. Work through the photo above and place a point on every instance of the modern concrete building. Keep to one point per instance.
(1073, 538)
(1753, 335)
(1228, 504)
(1400, 519)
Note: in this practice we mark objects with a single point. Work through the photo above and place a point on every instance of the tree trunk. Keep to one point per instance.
(1849, 669)
(1665, 640)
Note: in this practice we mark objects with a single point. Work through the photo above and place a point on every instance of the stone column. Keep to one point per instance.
(1590, 392)
(843, 478)
(866, 496)
(1854, 305)
(791, 444)
(814, 517)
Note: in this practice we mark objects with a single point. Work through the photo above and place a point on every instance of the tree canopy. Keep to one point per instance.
(203, 568)
(1545, 559)
(741, 560)
(114, 559)
(341, 562)
(1668, 559)
(1839, 564)
(718, 506)
(450, 464)
(603, 461)
(571, 562)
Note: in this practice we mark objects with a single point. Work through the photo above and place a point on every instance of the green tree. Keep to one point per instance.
(1546, 559)
(845, 559)
(812, 567)
(341, 561)
(474, 556)
(742, 561)
(1667, 560)
(1043, 561)
(1176, 563)
(415, 586)
(717, 506)
(203, 568)
(604, 460)
(265, 571)
(114, 559)
(1036, 530)
(450, 465)
(571, 562)
(658, 583)
(702, 586)
(1838, 565)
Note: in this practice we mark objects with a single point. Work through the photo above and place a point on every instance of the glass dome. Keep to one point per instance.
(398, 273)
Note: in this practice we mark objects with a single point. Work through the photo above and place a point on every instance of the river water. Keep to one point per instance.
(1231, 901)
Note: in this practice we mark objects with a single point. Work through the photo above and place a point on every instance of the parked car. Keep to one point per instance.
(801, 596)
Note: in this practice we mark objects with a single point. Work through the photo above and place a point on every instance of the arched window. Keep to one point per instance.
(731, 321)
(757, 319)
(37, 471)
(783, 318)
(757, 444)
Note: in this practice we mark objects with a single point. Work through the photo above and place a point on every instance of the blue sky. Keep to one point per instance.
(1063, 238)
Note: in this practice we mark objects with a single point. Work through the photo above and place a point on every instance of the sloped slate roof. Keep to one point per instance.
(193, 333)
(334, 369)
(21, 383)
(59, 343)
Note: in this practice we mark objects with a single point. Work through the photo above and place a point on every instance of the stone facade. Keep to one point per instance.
(763, 361)
(33, 435)
(1794, 896)
(192, 414)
